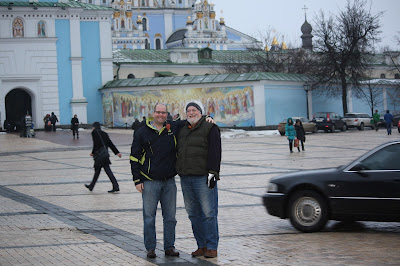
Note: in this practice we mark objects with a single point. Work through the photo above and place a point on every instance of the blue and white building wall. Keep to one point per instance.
(62, 68)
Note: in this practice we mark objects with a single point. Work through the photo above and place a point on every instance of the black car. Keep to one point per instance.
(329, 121)
(368, 189)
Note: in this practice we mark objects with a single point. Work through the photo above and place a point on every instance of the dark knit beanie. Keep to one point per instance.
(96, 125)
(194, 105)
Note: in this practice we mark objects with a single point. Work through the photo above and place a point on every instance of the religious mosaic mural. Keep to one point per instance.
(229, 106)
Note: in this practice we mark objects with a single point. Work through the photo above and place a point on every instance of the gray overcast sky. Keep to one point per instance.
(287, 16)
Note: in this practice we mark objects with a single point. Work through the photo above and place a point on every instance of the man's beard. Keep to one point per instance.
(193, 120)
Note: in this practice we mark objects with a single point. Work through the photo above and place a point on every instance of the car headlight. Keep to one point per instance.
(272, 187)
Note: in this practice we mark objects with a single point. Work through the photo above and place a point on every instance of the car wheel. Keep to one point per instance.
(344, 128)
(308, 211)
(333, 128)
(315, 130)
(398, 130)
(361, 127)
(326, 130)
(282, 133)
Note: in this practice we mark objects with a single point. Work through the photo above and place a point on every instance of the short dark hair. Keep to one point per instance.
(157, 104)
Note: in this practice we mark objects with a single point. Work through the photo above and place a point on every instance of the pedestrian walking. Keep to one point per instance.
(53, 120)
(290, 132)
(75, 126)
(101, 143)
(388, 117)
(198, 165)
(300, 133)
(28, 125)
(376, 118)
(156, 142)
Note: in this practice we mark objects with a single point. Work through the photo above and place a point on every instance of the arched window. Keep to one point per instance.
(383, 76)
(41, 27)
(18, 28)
(144, 21)
(122, 23)
(158, 44)
(397, 76)
(131, 76)
(146, 44)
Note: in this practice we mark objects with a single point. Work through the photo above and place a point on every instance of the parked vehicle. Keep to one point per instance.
(307, 125)
(398, 125)
(329, 121)
(367, 189)
(358, 120)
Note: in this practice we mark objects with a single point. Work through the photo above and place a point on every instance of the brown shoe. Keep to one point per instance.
(211, 253)
(151, 254)
(171, 252)
(199, 252)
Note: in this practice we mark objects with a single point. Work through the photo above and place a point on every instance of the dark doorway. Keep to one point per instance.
(18, 103)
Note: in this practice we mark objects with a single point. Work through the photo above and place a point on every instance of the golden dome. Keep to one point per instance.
(274, 42)
(266, 48)
(284, 47)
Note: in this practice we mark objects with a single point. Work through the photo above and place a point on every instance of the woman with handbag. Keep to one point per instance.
(100, 154)
(301, 134)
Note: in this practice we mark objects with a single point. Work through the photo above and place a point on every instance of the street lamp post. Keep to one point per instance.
(307, 88)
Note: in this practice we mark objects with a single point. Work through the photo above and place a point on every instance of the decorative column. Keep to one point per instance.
(78, 102)
(106, 59)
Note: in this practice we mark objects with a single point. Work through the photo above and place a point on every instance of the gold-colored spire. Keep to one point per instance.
(266, 48)
(284, 47)
(274, 42)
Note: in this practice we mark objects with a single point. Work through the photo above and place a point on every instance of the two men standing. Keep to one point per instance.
(196, 152)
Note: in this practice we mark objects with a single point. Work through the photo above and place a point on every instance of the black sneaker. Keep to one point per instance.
(88, 187)
(113, 190)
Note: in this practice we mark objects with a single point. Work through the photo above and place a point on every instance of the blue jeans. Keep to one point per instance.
(164, 192)
(201, 204)
(389, 128)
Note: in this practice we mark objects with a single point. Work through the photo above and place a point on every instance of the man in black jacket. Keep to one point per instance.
(153, 158)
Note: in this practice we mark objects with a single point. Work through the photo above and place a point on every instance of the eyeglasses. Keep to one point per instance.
(160, 112)
(194, 110)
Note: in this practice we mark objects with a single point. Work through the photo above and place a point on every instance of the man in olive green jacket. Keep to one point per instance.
(198, 165)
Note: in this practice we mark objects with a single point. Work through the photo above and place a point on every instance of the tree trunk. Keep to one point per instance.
(344, 95)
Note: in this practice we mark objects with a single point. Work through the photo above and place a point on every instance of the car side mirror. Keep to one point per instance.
(360, 169)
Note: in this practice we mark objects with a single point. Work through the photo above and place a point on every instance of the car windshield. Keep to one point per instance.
(350, 116)
(320, 115)
(387, 158)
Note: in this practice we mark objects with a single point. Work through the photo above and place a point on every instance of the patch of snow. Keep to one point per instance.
(240, 133)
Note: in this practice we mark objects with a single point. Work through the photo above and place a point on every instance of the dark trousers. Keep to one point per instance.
(75, 131)
(290, 144)
(110, 174)
(53, 127)
(302, 144)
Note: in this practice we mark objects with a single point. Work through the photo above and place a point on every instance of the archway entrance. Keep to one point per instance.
(18, 103)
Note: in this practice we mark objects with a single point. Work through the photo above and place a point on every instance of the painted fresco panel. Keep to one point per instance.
(229, 106)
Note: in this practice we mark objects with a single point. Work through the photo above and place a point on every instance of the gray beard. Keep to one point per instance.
(193, 120)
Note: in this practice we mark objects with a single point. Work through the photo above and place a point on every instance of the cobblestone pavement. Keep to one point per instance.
(48, 217)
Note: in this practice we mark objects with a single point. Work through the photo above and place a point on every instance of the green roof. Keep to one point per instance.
(218, 78)
(70, 4)
(148, 56)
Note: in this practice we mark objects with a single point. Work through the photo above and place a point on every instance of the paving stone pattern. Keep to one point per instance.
(48, 217)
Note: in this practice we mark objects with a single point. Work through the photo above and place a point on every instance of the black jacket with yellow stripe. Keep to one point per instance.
(153, 152)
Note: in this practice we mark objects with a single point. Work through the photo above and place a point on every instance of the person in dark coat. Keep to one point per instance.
(100, 137)
(300, 133)
(53, 120)
(136, 125)
(75, 126)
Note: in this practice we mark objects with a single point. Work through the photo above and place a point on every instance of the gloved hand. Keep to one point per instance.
(211, 180)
